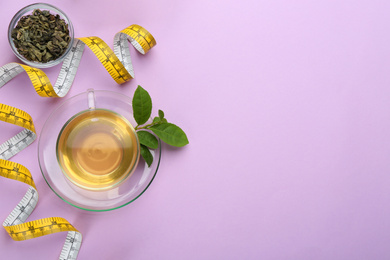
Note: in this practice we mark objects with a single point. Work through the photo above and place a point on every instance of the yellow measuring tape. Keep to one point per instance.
(15, 223)
(118, 64)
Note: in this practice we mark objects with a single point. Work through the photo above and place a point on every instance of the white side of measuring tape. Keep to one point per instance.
(16, 144)
(122, 51)
(8, 72)
(69, 68)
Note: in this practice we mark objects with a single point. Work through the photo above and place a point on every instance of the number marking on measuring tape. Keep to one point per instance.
(15, 224)
(117, 62)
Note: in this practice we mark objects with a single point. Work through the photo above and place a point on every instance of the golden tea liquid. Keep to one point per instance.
(97, 149)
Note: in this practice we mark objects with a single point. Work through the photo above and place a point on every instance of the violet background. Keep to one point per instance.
(286, 107)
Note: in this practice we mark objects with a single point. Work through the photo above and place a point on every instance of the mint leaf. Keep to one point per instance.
(161, 114)
(146, 154)
(148, 139)
(167, 132)
(170, 134)
(142, 106)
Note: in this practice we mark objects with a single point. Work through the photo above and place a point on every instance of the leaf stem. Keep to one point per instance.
(138, 127)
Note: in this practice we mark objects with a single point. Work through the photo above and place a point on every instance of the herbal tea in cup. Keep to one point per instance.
(97, 149)
(109, 175)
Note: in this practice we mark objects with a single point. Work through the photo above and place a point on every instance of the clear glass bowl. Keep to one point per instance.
(92, 200)
(28, 10)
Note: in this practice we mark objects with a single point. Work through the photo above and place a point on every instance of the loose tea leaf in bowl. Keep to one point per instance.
(41, 36)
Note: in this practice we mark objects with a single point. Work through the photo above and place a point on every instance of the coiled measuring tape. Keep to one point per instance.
(118, 64)
(15, 223)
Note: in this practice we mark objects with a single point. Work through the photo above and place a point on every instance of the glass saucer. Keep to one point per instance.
(90, 200)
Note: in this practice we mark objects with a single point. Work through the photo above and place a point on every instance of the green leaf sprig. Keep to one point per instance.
(167, 132)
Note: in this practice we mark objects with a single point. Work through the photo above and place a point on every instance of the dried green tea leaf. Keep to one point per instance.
(41, 36)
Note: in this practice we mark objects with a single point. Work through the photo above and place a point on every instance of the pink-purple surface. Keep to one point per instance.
(286, 106)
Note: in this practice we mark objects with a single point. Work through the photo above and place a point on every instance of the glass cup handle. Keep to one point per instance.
(91, 99)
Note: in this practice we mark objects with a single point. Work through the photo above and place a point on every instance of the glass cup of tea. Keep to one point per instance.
(89, 152)
(97, 149)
